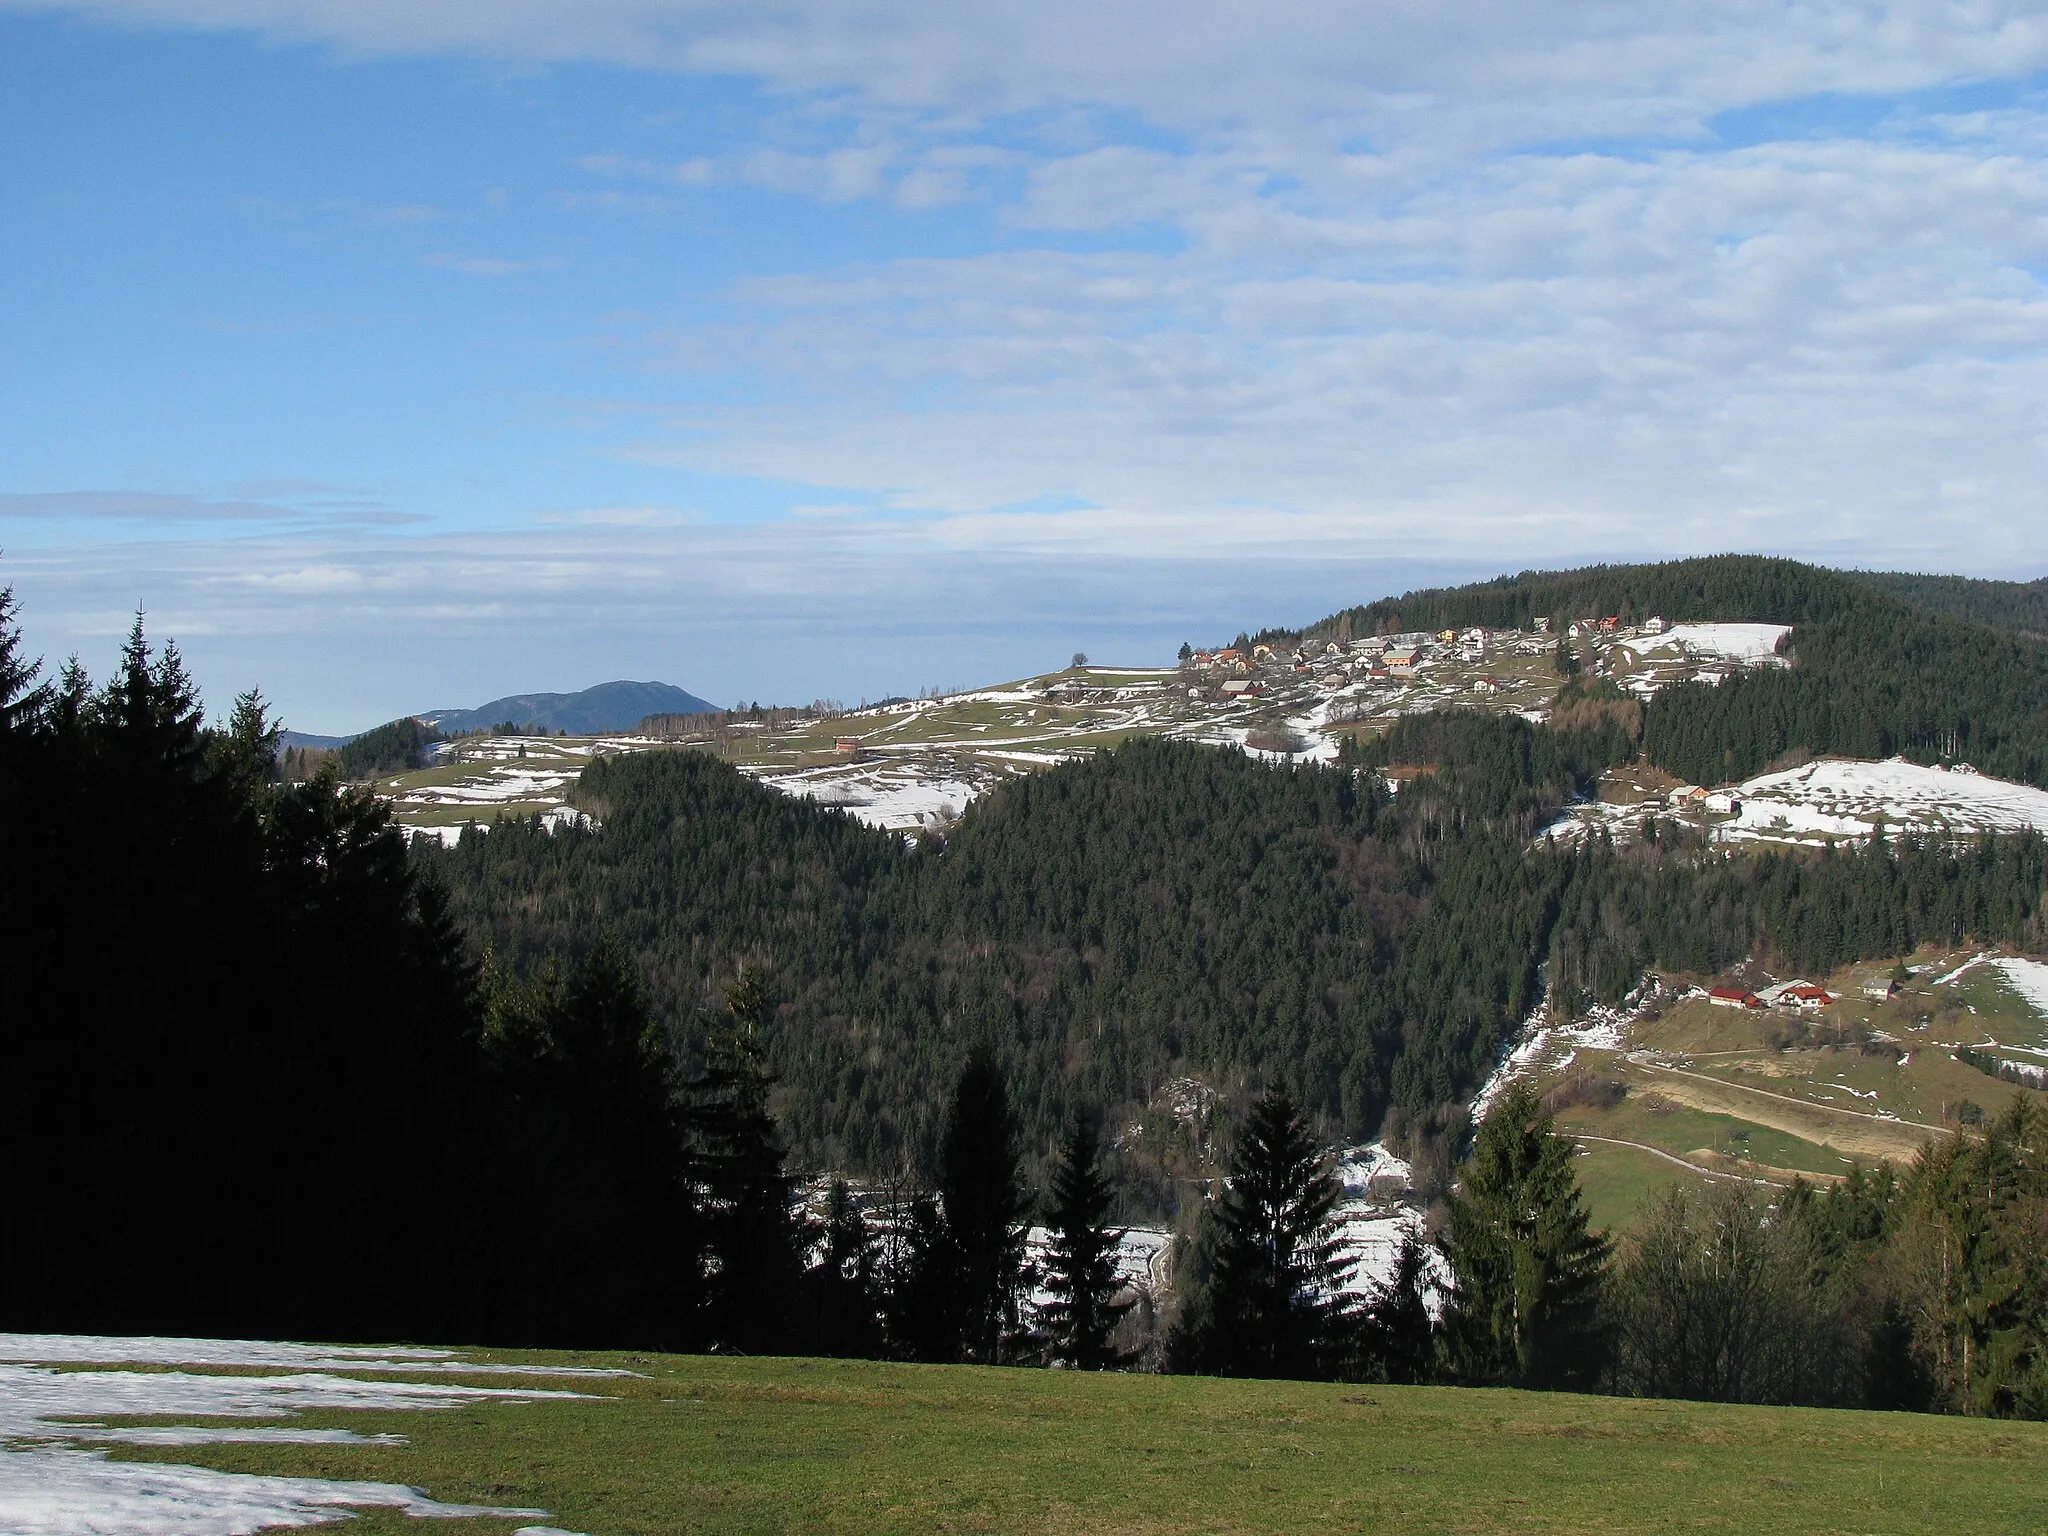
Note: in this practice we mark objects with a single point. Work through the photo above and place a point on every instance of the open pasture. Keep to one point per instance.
(719, 1445)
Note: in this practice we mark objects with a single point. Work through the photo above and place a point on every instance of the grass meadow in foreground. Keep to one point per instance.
(718, 1445)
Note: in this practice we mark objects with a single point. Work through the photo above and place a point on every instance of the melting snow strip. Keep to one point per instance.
(50, 1486)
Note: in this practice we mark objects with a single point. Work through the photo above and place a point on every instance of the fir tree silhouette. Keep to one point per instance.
(1080, 1267)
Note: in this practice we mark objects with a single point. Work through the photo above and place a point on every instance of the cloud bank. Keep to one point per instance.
(1479, 286)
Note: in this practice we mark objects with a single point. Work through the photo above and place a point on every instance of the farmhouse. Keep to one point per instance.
(1880, 989)
(1733, 997)
(1803, 995)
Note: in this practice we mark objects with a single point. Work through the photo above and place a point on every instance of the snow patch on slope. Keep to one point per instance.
(64, 1493)
(1546, 1045)
(1844, 798)
(49, 1486)
(1738, 642)
(2029, 978)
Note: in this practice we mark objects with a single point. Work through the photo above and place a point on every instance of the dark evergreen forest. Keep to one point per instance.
(2018, 606)
(391, 748)
(1161, 909)
(251, 1080)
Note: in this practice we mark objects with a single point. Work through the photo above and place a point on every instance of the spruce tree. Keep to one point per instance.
(1527, 1275)
(1398, 1334)
(754, 1236)
(1081, 1271)
(921, 1294)
(842, 1308)
(20, 699)
(985, 1208)
(1273, 1306)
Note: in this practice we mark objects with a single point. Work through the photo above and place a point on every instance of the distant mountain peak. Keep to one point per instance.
(614, 706)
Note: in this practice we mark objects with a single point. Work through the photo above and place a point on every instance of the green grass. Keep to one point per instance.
(718, 1445)
(1680, 1129)
(1618, 1182)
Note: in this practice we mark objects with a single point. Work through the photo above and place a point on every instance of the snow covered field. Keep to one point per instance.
(1842, 798)
(2029, 978)
(1836, 798)
(897, 795)
(54, 1483)
(1748, 643)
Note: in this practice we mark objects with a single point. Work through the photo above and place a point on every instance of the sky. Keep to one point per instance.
(392, 355)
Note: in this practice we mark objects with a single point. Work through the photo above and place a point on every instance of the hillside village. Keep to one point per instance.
(913, 765)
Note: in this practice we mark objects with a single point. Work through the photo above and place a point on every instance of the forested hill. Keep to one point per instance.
(1874, 670)
(1168, 909)
(2018, 606)
(1755, 588)
(1752, 588)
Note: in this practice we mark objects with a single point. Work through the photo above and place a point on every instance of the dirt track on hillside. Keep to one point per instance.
(1847, 1131)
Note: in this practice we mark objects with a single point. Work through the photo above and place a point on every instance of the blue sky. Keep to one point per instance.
(397, 356)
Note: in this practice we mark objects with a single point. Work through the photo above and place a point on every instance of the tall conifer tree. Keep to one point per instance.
(1273, 1306)
(985, 1210)
(1527, 1274)
(1398, 1333)
(755, 1235)
(1081, 1272)
(921, 1294)
(842, 1294)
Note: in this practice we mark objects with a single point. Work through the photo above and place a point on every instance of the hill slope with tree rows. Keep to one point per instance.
(1166, 908)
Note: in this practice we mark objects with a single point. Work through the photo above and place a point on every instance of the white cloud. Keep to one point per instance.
(1806, 346)
(1319, 276)
(1601, 66)
(286, 502)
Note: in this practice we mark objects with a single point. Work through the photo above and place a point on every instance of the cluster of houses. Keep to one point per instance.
(1334, 664)
(1609, 628)
(1791, 996)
